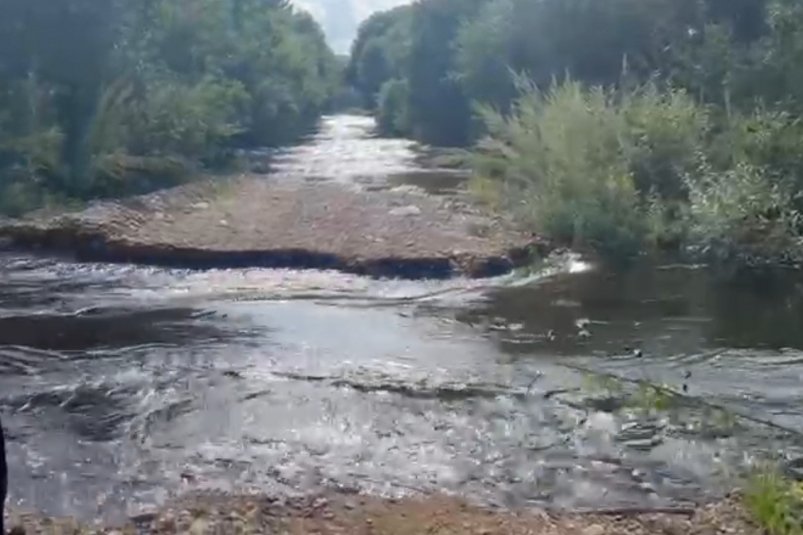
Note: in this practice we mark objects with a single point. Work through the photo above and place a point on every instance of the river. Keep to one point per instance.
(123, 385)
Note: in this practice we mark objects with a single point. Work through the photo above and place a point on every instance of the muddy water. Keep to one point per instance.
(123, 385)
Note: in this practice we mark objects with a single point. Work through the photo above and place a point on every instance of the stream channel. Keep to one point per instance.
(123, 385)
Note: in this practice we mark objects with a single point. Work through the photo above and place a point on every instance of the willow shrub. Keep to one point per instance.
(744, 210)
(586, 165)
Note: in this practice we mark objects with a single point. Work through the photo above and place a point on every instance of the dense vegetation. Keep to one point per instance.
(619, 124)
(114, 96)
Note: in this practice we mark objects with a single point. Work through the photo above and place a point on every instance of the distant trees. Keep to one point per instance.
(102, 97)
(380, 52)
(454, 53)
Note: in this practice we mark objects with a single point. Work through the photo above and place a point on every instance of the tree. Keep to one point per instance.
(87, 87)
(380, 52)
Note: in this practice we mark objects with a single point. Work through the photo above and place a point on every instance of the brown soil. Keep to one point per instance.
(251, 221)
(438, 515)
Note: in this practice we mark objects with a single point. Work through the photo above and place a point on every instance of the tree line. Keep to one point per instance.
(619, 124)
(114, 96)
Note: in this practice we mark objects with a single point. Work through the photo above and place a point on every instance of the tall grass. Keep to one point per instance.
(775, 503)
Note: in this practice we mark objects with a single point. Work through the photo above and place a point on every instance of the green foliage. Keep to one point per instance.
(621, 170)
(453, 52)
(646, 398)
(440, 109)
(744, 195)
(666, 131)
(189, 120)
(743, 207)
(775, 503)
(394, 114)
(482, 59)
(650, 398)
(603, 384)
(778, 58)
(380, 53)
(581, 164)
(91, 90)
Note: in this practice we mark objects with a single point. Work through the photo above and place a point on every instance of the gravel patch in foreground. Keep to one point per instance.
(356, 515)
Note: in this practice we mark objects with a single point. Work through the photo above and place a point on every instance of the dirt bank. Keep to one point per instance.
(355, 515)
(258, 222)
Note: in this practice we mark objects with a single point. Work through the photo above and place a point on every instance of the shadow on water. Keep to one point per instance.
(733, 344)
(103, 328)
(667, 309)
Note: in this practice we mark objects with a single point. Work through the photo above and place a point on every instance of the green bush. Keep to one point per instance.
(191, 121)
(587, 165)
(666, 130)
(744, 208)
(624, 170)
(162, 87)
(393, 116)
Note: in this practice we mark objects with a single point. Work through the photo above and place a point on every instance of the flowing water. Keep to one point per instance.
(123, 385)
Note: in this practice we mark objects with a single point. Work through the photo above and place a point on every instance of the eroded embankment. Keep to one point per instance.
(254, 222)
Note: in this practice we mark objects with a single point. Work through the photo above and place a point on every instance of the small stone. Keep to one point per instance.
(406, 211)
(594, 529)
(199, 527)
